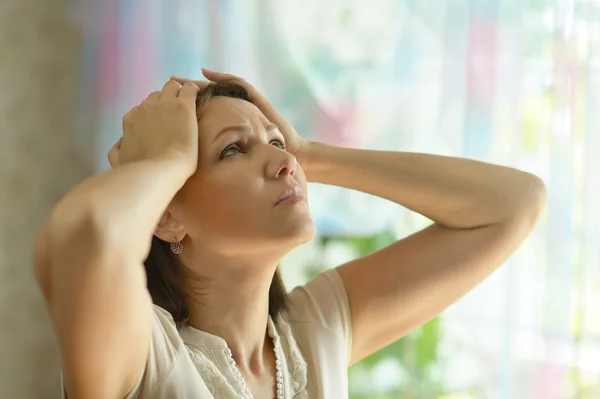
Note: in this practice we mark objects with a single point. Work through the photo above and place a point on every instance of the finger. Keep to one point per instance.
(171, 89)
(200, 83)
(153, 97)
(189, 91)
(128, 116)
(225, 78)
(220, 77)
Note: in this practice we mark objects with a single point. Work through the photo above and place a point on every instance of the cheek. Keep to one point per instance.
(224, 201)
(236, 187)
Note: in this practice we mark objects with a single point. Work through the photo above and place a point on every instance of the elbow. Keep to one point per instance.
(531, 198)
(537, 193)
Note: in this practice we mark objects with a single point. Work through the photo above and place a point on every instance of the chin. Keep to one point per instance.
(297, 233)
(308, 233)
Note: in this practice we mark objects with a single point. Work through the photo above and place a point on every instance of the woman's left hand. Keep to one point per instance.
(295, 143)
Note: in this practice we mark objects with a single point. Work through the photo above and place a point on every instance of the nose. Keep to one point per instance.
(281, 164)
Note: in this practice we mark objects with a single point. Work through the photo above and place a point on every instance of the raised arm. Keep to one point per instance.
(481, 213)
(89, 254)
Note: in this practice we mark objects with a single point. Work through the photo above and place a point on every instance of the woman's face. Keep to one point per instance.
(230, 203)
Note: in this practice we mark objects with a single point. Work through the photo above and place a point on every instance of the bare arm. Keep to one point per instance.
(89, 253)
(454, 192)
(89, 265)
(482, 213)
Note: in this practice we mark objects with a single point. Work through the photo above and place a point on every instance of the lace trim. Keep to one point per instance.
(216, 383)
(220, 387)
(297, 368)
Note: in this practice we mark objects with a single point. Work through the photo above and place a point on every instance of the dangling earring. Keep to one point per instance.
(176, 248)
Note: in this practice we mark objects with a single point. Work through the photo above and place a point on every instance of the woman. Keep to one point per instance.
(208, 188)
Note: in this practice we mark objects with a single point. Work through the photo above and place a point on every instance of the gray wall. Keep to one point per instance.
(40, 159)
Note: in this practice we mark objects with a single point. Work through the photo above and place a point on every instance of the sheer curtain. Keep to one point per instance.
(510, 82)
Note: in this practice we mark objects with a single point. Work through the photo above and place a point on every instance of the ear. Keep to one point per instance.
(169, 229)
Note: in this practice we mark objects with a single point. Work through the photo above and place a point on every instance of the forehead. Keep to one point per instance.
(225, 111)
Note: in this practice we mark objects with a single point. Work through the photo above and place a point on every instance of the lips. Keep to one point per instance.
(289, 193)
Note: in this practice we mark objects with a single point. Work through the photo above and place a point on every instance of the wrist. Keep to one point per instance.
(177, 164)
(312, 156)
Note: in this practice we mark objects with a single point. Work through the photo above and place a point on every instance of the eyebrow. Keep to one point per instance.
(243, 128)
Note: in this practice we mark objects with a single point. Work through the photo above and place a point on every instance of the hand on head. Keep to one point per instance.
(164, 125)
(293, 140)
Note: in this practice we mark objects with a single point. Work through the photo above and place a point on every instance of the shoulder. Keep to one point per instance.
(165, 352)
(166, 342)
(324, 295)
(320, 311)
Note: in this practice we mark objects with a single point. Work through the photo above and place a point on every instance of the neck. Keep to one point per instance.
(231, 300)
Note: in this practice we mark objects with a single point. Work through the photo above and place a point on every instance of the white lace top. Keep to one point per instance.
(315, 337)
(206, 360)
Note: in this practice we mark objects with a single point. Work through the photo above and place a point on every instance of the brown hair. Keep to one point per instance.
(165, 275)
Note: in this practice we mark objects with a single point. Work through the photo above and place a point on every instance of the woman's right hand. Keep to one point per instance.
(163, 126)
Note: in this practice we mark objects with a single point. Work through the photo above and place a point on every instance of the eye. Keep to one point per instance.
(230, 150)
(278, 143)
